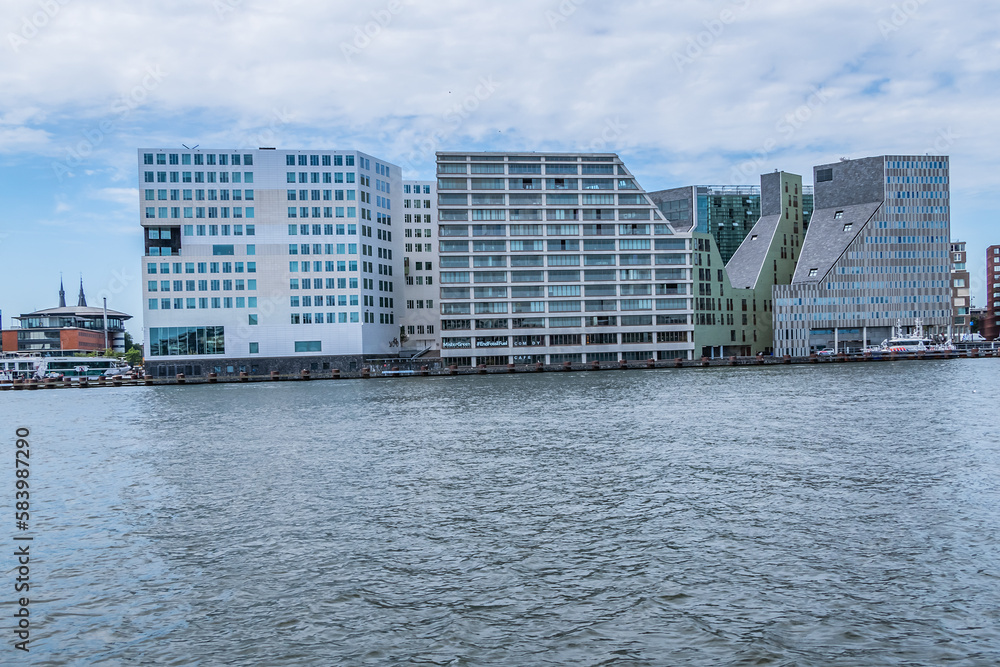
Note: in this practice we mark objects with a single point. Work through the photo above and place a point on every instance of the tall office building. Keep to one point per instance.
(991, 318)
(420, 317)
(260, 260)
(556, 257)
(961, 298)
(876, 253)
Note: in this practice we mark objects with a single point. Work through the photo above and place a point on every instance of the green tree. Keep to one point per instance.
(134, 357)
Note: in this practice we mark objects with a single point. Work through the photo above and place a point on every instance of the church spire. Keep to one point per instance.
(83, 299)
(62, 293)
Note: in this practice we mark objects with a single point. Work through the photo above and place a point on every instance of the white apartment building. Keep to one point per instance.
(556, 257)
(420, 318)
(260, 260)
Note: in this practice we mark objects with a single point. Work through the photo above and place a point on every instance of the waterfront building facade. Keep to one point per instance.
(990, 326)
(420, 316)
(961, 298)
(67, 330)
(768, 255)
(260, 260)
(556, 257)
(877, 252)
(731, 291)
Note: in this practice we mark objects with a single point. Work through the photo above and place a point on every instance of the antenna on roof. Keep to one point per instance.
(190, 148)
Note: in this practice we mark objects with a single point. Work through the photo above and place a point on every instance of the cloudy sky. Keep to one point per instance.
(688, 92)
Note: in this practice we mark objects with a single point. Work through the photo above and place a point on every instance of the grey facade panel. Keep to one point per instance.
(854, 182)
(770, 194)
(827, 241)
(745, 265)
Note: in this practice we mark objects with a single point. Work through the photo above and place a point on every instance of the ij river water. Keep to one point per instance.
(802, 515)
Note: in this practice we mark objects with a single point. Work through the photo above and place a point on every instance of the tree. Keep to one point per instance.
(133, 356)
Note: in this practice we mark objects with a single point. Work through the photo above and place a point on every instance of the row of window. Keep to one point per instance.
(321, 195)
(201, 267)
(326, 177)
(331, 161)
(557, 245)
(191, 303)
(200, 212)
(567, 322)
(202, 285)
(450, 215)
(335, 283)
(556, 276)
(306, 301)
(416, 218)
(323, 248)
(221, 159)
(536, 184)
(216, 230)
(327, 212)
(542, 291)
(339, 318)
(861, 315)
(550, 168)
(198, 177)
(536, 199)
(562, 340)
(416, 189)
(198, 194)
(635, 229)
(411, 247)
(589, 305)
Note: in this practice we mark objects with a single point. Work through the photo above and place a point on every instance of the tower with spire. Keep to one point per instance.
(62, 293)
(83, 299)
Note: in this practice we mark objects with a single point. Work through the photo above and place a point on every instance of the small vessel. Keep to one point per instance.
(915, 341)
(21, 366)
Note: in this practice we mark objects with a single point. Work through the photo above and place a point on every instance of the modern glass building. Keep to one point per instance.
(66, 330)
(877, 253)
(260, 260)
(727, 212)
(556, 257)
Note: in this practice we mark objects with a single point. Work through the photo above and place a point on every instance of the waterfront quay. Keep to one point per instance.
(409, 369)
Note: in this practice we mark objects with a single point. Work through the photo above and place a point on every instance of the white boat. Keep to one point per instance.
(20, 366)
(915, 341)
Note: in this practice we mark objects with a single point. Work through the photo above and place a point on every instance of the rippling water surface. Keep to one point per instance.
(762, 516)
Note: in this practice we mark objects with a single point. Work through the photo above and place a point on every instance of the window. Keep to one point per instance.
(847, 227)
(824, 175)
(812, 272)
(838, 215)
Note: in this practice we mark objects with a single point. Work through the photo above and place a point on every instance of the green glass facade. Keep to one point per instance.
(179, 341)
